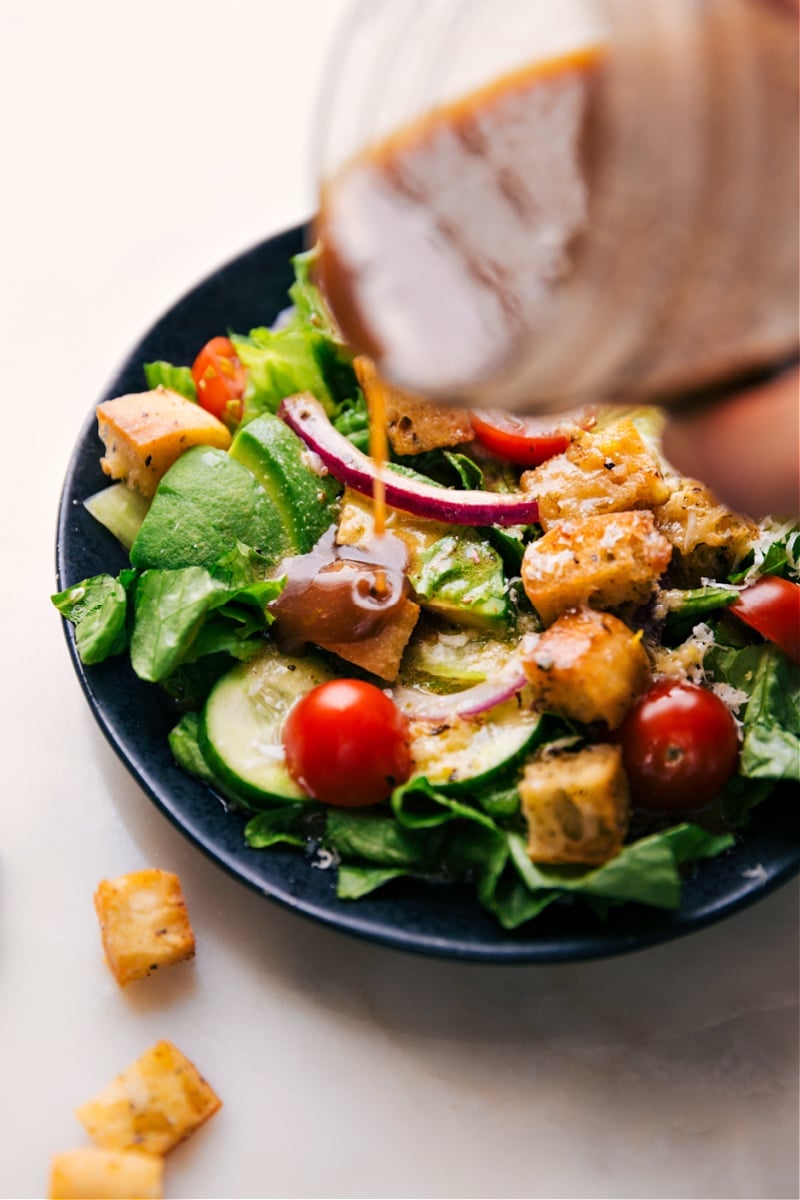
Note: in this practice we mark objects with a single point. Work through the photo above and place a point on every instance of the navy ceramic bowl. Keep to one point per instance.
(136, 718)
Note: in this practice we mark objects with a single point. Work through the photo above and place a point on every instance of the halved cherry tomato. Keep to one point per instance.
(526, 441)
(679, 747)
(220, 380)
(346, 744)
(771, 606)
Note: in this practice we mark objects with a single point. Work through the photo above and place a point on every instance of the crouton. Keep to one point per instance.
(709, 539)
(612, 470)
(380, 654)
(144, 923)
(601, 562)
(576, 806)
(588, 666)
(413, 424)
(92, 1174)
(144, 433)
(155, 1103)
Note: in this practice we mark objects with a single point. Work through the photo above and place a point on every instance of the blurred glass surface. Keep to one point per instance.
(533, 202)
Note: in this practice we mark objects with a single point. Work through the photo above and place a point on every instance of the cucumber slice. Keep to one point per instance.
(464, 756)
(451, 658)
(120, 509)
(242, 723)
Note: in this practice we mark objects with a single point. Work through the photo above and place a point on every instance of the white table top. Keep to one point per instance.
(143, 145)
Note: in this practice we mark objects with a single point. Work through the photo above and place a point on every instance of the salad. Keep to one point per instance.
(560, 673)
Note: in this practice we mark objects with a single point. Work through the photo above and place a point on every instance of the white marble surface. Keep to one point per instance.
(143, 144)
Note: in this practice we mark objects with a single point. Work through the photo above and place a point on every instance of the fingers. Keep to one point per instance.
(746, 447)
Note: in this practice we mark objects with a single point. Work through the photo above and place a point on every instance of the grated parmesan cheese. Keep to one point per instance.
(771, 531)
(733, 698)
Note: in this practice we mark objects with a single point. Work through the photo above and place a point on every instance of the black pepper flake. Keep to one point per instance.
(148, 460)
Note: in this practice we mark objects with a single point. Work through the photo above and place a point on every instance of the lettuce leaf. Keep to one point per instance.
(171, 608)
(310, 305)
(646, 871)
(355, 882)
(781, 557)
(418, 804)
(280, 363)
(283, 825)
(184, 742)
(380, 840)
(98, 608)
(691, 607)
(771, 720)
(177, 379)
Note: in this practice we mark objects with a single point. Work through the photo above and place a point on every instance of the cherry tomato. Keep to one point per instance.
(347, 744)
(679, 746)
(772, 607)
(220, 380)
(526, 441)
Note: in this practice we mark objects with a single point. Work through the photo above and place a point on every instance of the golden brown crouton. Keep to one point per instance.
(144, 923)
(381, 653)
(155, 1103)
(599, 561)
(709, 538)
(576, 806)
(588, 666)
(92, 1174)
(612, 470)
(413, 424)
(144, 433)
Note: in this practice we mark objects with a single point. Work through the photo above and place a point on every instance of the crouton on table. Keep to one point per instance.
(588, 666)
(576, 806)
(152, 1105)
(92, 1174)
(144, 923)
(602, 562)
(144, 433)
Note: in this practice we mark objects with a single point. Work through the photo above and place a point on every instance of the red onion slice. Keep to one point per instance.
(420, 705)
(307, 418)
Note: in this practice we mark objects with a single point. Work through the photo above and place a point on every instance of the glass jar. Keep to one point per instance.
(531, 203)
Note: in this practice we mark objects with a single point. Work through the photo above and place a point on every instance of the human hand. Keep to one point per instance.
(745, 447)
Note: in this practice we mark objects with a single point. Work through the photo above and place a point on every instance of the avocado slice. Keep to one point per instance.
(460, 576)
(453, 569)
(304, 499)
(206, 502)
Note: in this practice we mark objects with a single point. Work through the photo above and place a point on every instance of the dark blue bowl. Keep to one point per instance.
(136, 718)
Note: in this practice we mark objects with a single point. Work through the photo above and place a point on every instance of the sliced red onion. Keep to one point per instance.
(307, 418)
(421, 705)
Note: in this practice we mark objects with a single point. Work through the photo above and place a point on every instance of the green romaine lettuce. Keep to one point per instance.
(691, 607)
(283, 825)
(771, 721)
(171, 607)
(177, 379)
(98, 608)
(280, 363)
